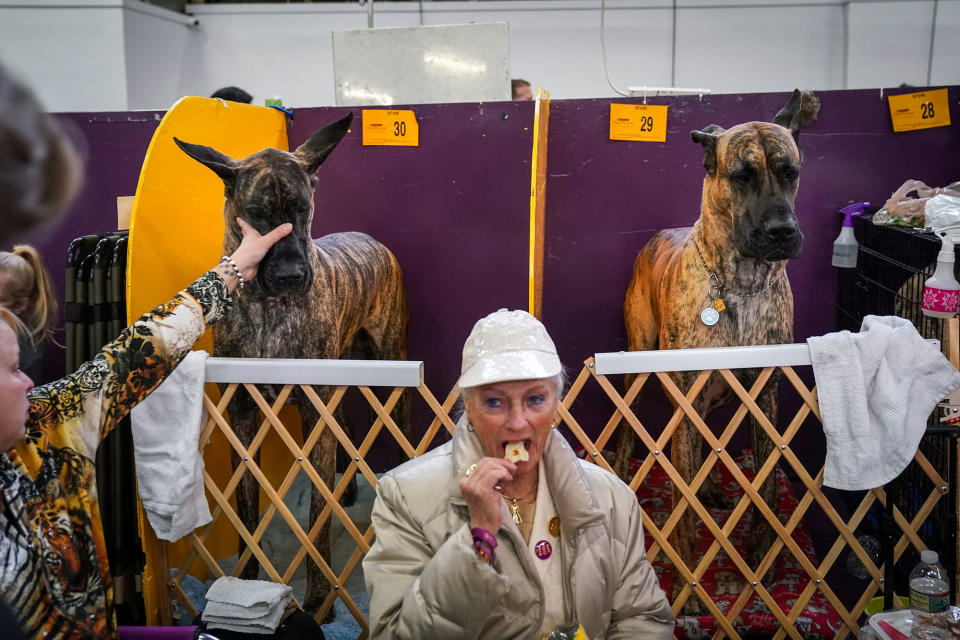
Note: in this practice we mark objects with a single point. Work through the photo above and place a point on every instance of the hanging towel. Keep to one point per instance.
(166, 433)
(876, 390)
(247, 606)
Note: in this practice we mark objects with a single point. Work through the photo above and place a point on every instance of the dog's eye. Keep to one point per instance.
(790, 174)
(744, 178)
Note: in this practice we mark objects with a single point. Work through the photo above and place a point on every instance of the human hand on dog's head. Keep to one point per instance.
(251, 251)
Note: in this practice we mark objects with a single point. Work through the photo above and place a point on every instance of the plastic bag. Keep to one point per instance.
(942, 211)
(905, 207)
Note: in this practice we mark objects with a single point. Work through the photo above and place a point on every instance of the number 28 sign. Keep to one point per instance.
(912, 111)
(390, 127)
(647, 122)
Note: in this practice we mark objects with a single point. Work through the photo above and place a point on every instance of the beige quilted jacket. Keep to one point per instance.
(425, 580)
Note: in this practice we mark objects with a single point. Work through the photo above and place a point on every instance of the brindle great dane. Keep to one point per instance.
(342, 293)
(746, 232)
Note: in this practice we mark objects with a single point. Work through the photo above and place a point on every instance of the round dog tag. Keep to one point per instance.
(709, 316)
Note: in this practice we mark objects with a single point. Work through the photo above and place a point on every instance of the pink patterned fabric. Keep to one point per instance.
(723, 580)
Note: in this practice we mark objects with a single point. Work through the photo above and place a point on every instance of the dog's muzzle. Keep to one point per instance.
(775, 239)
(286, 276)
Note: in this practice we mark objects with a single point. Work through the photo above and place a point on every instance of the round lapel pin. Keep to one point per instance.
(554, 527)
(543, 549)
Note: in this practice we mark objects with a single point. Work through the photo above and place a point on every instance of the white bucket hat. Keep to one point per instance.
(508, 345)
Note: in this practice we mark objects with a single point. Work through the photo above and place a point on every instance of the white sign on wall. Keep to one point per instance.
(417, 65)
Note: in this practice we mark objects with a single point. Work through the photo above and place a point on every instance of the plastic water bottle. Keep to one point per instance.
(929, 587)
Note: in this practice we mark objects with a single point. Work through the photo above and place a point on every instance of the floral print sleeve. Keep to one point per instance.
(79, 410)
(52, 572)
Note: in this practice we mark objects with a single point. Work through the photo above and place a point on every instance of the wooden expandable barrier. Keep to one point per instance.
(780, 360)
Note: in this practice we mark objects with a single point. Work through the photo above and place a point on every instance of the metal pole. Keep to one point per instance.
(673, 50)
(933, 33)
(845, 69)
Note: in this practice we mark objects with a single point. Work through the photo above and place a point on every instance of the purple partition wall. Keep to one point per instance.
(455, 209)
(606, 198)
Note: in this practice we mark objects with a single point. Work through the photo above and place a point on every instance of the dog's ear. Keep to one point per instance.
(800, 111)
(708, 138)
(209, 157)
(314, 151)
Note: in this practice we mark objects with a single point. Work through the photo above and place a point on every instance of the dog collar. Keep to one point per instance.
(711, 314)
(719, 286)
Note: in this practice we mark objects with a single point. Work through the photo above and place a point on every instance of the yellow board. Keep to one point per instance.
(176, 228)
(538, 201)
(176, 233)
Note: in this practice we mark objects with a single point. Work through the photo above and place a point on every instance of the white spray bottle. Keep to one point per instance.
(941, 291)
(845, 247)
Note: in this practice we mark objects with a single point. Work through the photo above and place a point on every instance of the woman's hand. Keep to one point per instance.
(480, 491)
(251, 251)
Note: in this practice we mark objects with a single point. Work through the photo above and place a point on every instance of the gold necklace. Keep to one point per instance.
(514, 506)
(515, 509)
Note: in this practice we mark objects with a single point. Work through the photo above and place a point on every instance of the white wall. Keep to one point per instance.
(155, 46)
(71, 53)
(268, 50)
(120, 54)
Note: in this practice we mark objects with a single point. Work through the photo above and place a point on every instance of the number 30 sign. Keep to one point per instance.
(389, 127)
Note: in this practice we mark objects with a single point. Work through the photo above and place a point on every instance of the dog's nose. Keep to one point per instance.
(290, 275)
(782, 231)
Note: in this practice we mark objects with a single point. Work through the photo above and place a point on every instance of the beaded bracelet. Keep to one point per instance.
(483, 551)
(236, 270)
(484, 535)
(484, 543)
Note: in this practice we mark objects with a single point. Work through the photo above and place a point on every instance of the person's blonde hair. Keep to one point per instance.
(10, 319)
(25, 286)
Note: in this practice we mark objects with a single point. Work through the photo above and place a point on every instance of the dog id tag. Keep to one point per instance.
(709, 316)
(718, 304)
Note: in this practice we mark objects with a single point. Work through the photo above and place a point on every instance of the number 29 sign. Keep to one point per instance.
(389, 127)
(645, 122)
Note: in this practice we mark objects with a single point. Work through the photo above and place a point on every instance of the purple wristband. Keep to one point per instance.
(483, 550)
(485, 536)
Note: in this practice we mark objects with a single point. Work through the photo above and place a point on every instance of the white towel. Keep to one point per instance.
(876, 390)
(166, 434)
(246, 606)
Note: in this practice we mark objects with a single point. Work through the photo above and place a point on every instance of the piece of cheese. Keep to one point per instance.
(516, 452)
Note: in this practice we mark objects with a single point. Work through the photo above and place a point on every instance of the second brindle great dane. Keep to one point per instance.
(311, 299)
(737, 252)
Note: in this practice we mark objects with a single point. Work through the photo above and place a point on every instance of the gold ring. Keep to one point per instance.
(470, 470)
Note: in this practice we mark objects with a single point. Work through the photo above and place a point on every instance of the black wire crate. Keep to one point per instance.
(892, 265)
